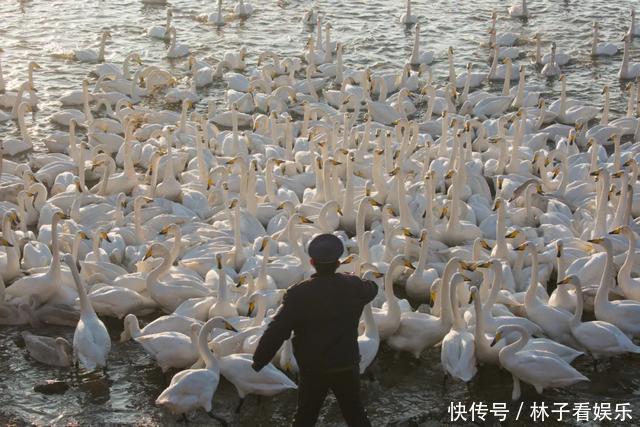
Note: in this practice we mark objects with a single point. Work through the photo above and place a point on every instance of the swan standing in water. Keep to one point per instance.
(91, 341)
(519, 9)
(601, 339)
(541, 371)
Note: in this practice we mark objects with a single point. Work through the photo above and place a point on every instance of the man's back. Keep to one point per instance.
(326, 333)
(323, 313)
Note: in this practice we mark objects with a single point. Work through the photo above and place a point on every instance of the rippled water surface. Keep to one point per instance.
(405, 391)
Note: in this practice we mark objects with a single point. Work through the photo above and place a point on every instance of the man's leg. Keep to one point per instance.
(312, 390)
(346, 387)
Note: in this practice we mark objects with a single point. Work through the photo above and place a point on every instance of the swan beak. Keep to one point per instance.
(339, 211)
(210, 183)
(164, 230)
(617, 174)
(374, 202)
(105, 236)
(445, 210)
(377, 274)
(472, 296)
(596, 241)
(497, 338)
(406, 232)
(83, 235)
(432, 297)
(521, 247)
(556, 172)
(228, 326)
(148, 254)
(252, 307)
(468, 266)
(263, 245)
(565, 281)
(219, 261)
(617, 230)
(485, 245)
(497, 204)
(408, 264)
(627, 163)
(233, 203)
(5, 242)
(347, 260)
(305, 220)
(512, 235)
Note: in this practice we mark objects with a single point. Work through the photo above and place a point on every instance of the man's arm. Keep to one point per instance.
(276, 333)
(369, 290)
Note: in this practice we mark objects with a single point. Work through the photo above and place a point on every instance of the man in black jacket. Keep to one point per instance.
(323, 312)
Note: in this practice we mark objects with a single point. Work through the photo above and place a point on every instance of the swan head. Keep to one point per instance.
(102, 235)
(59, 215)
(156, 250)
(524, 246)
(623, 229)
(570, 280)
(4, 242)
(217, 322)
(602, 241)
(505, 330)
(473, 293)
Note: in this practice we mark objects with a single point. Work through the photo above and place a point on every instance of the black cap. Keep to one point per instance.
(325, 248)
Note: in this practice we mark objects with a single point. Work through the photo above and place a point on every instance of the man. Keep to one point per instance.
(323, 312)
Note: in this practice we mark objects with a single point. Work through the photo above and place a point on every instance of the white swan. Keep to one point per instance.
(243, 9)
(457, 353)
(519, 9)
(161, 31)
(601, 49)
(406, 17)
(92, 55)
(91, 341)
(541, 371)
(192, 389)
(601, 339)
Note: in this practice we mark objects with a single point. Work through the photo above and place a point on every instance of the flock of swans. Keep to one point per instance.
(471, 201)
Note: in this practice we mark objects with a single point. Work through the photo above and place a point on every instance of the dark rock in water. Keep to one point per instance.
(51, 387)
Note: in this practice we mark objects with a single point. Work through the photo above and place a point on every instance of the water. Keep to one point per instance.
(405, 391)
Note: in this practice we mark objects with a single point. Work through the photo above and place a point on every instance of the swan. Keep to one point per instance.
(91, 341)
(169, 295)
(217, 18)
(628, 70)
(47, 350)
(176, 50)
(369, 340)
(601, 339)
(14, 146)
(457, 353)
(418, 286)
(601, 49)
(418, 58)
(551, 68)
(387, 319)
(92, 55)
(171, 349)
(554, 321)
(625, 314)
(242, 9)
(541, 371)
(630, 286)
(418, 331)
(42, 286)
(159, 31)
(407, 18)
(519, 9)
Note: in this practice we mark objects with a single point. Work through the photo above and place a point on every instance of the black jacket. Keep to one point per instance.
(323, 312)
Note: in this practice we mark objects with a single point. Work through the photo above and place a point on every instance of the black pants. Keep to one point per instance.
(313, 388)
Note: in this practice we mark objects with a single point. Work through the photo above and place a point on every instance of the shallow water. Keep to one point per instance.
(405, 391)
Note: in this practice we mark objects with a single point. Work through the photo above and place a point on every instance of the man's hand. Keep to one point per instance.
(255, 367)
